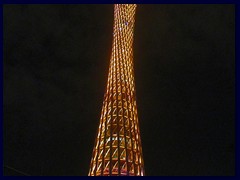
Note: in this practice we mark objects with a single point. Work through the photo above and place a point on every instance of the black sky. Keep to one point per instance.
(56, 61)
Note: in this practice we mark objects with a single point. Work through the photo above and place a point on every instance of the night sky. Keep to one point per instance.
(56, 61)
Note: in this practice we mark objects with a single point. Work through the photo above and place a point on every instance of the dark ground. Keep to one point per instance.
(56, 61)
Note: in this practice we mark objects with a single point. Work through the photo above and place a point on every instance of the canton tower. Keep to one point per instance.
(118, 149)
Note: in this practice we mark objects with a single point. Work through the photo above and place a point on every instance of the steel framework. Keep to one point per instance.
(118, 150)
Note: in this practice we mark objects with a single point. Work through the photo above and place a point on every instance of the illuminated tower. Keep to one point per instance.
(118, 150)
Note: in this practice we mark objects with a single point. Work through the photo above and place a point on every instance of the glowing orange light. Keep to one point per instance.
(118, 150)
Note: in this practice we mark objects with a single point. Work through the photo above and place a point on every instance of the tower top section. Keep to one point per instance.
(118, 149)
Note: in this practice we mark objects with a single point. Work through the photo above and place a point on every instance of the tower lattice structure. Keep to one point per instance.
(118, 149)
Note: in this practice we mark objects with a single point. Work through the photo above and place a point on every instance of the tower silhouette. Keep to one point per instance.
(118, 149)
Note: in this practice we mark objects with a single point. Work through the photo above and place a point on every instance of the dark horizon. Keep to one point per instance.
(56, 60)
